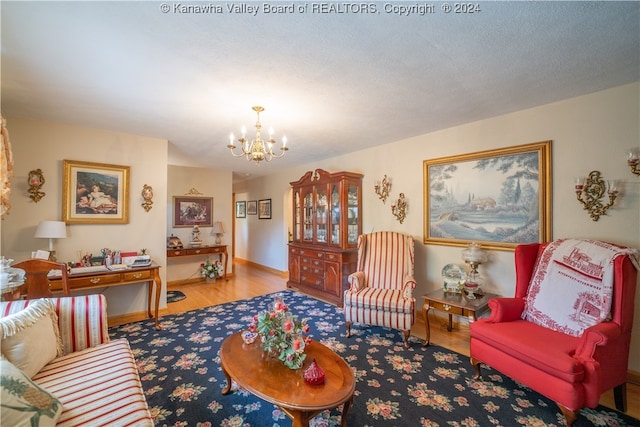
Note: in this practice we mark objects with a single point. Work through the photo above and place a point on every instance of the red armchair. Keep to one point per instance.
(571, 371)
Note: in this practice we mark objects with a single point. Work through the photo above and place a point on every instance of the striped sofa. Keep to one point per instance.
(96, 380)
(381, 289)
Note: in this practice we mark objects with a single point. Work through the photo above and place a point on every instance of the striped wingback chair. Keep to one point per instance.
(381, 289)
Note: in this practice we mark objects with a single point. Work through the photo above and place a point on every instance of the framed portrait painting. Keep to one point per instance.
(241, 209)
(252, 207)
(264, 209)
(192, 210)
(95, 193)
(498, 198)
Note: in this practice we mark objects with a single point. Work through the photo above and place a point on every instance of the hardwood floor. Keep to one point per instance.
(250, 281)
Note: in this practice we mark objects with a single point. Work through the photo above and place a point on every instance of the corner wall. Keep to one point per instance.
(590, 132)
(44, 145)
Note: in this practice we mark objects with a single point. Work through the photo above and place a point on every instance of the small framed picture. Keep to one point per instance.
(252, 207)
(264, 209)
(192, 210)
(241, 209)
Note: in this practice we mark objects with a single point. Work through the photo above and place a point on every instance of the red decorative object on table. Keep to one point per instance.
(314, 374)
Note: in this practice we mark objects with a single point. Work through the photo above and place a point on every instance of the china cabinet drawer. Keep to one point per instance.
(312, 262)
(313, 270)
(310, 253)
(312, 280)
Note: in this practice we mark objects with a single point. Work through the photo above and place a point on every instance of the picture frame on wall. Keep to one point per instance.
(95, 193)
(192, 210)
(252, 207)
(241, 209)
(264, 209)
(498, 198)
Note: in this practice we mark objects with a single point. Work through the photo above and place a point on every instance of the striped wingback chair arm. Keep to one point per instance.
(82, 320)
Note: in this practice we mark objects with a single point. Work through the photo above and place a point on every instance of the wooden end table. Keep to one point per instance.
(270, 380)
(454, 303)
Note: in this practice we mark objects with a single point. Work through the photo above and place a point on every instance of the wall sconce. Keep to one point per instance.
(382, 189)
(591, 190)
(147, 195)
(36, 181)
(633, 160)
(399, 208)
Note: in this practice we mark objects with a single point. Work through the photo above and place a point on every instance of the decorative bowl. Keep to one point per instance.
(249, 337)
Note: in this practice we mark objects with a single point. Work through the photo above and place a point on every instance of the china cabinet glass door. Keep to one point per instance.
(321, 215)
(335, 215)
(353, 212)
(307, 216)
(297, 217)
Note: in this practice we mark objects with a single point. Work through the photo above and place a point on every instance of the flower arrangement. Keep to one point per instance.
(211, 270)
(282, 334)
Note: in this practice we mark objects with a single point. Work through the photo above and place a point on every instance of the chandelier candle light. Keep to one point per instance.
(257, 149)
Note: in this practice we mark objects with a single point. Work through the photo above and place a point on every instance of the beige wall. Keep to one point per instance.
(44, 145)
(590, 132)
(210, 183)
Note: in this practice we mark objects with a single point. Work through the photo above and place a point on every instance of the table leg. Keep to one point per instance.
(158, 285)
(226, 261)
(450, 326)
(425, 309)
(300, 419)
(347, 405)
(227, 389)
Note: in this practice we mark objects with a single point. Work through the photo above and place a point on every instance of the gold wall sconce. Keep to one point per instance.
(591, 190)
(147, 196)
(399, 208)
(382, 188)
(633, 160)
(36, 181)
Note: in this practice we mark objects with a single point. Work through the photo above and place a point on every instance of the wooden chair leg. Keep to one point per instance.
(405, 336)
(569, 415)
(620, 397)
(476, 365)
(348, 325)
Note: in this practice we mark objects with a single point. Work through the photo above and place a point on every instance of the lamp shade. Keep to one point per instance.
(217, 228)
(51, 230)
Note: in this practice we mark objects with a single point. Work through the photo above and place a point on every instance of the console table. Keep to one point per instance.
(108, 278)
(202, 250)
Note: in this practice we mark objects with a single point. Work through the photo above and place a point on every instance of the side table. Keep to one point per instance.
(454, 303)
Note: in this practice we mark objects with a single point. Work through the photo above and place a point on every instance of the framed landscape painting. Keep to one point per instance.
(497, 198)
(95, 193)
(192, 210)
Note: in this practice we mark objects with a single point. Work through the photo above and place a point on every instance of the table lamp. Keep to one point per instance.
(218, 230)
(51, 230)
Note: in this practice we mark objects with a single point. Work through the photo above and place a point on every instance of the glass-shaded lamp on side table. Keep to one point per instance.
(473, 255)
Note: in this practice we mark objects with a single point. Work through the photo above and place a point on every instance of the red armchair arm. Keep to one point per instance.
(505, 309)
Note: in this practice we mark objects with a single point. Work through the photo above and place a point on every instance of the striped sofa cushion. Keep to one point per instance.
(98, 386)
(82, 319)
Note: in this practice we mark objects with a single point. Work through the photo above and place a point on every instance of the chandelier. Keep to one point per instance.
(257, 149)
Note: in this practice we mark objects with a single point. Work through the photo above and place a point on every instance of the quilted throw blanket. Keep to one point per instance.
(572, 285)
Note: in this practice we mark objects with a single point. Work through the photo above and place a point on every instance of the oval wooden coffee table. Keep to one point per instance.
(270, 380)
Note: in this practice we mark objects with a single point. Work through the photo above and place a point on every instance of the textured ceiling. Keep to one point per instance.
(332, 82)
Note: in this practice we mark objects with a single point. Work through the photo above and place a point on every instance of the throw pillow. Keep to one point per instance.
(31, 338)
(23, 402)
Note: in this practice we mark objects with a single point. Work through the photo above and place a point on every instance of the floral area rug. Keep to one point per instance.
(422, 386)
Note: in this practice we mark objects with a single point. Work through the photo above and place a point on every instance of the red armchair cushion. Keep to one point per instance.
(541, 348)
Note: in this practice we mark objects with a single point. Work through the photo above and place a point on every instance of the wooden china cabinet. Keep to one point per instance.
(327, 220)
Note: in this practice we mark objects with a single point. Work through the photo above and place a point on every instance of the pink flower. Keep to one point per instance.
(287, 326)
(296, 345)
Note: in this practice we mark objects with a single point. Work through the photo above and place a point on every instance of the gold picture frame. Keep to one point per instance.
(192, 210)
(95, 193)
(499, 198)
